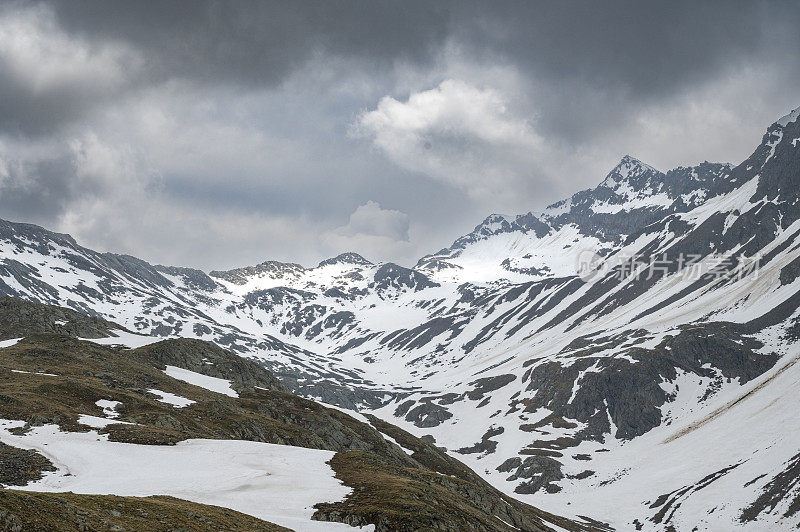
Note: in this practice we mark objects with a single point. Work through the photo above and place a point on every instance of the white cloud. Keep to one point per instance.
(456, 133)
(377, 233)
(372, 219)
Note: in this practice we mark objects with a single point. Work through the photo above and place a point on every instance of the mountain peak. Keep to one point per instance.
(630, 163)
(629, 168)
(497, 220)
(494, 223)
(349, 257)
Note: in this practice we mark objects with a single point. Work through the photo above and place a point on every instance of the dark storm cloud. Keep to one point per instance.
(620, 52)
(645, 47)
(600, 59)
(22, 113)
(259, 42)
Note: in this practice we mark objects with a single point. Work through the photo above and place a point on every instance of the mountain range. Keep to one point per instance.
(626, 357)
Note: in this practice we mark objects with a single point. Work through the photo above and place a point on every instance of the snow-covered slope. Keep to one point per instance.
(255, 478)
(546, 349)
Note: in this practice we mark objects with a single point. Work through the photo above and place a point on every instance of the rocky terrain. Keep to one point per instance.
(636, 341)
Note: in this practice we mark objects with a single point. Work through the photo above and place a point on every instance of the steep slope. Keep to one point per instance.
(538, 347)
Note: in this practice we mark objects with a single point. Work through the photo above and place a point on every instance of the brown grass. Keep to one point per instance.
(55, 512)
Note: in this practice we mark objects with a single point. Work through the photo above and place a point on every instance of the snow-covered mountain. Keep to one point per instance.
(636, 341)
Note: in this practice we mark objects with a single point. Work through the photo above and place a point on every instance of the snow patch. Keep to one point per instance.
(171, 399)
(109, 407)
(98, 422)
(125, 339)
(9, 343)
(277, 483)
(213, 384)
(34, 373)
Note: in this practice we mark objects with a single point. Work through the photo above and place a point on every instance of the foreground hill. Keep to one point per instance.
(655, 309)
(185, 418)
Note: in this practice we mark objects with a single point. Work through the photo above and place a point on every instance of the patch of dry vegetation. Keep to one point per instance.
(56, 512)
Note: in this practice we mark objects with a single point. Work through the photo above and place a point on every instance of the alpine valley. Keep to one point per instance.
(627, 359)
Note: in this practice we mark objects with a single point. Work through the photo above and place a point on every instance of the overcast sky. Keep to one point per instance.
(222, 134)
